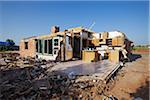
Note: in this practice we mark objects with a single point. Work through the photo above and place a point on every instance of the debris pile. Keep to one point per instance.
(31, 83)
(29, 78)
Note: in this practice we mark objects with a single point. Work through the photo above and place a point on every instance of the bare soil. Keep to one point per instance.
(141, 51)
(135, 78)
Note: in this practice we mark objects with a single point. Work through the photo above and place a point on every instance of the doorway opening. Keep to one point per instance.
(76, 47)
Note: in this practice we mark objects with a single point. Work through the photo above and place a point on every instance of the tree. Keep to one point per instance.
(10, 41)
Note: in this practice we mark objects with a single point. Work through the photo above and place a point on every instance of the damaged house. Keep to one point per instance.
(77, 43)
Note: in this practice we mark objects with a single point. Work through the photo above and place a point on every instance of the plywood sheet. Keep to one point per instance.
(117, 41)
(89, 56)
(114, 56)
(105, 35)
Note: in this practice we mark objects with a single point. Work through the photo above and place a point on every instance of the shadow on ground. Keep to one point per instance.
(134, 57)
(142, 92)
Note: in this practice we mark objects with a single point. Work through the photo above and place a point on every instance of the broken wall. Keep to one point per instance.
(69, 50)
(27, 48)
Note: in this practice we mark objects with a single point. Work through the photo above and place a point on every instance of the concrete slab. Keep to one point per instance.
(95, 70)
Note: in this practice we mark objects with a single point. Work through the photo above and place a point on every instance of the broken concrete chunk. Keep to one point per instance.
(7, 60)
(44, 66)
(71, 75)
(26, 62)
(2, 62)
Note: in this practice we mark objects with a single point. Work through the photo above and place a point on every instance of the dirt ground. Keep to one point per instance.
(133, 84)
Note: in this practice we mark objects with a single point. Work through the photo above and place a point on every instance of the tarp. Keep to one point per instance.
(6, 43)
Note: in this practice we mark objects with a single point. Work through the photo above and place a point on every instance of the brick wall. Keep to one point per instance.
(31, 48)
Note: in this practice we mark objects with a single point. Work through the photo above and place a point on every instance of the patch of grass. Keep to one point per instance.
(141, 47)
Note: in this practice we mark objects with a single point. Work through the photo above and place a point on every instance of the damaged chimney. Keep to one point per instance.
(54, 29)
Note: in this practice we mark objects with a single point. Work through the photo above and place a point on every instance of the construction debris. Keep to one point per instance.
(29, 78)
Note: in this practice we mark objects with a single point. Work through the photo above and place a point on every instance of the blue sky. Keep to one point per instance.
(24, 19)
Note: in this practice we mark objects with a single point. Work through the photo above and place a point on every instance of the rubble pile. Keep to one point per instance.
(30, 79)
(35, 83)
(25, 83)
(13, 61)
